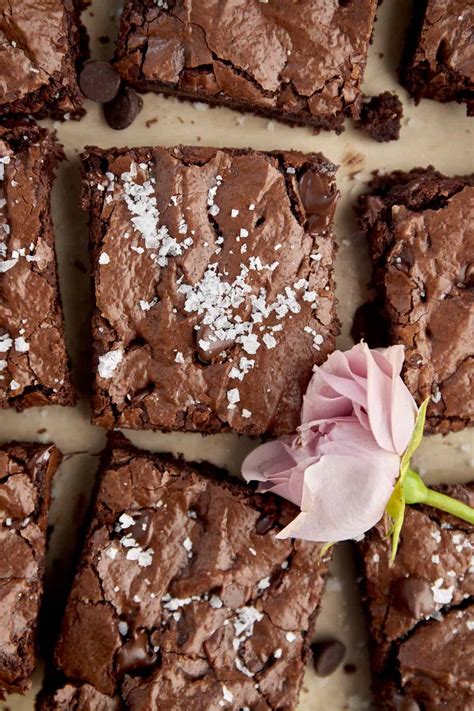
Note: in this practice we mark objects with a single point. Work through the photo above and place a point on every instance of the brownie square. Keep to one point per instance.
(26, 473)
(438, 58)
(34, 367)
(184, 598)
(421, 240)
(214, 292)
(419, 611)
(42, 47)
(302, 62)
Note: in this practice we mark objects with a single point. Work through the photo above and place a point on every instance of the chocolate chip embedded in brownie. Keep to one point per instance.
(214, 288)
(419, 611)
(26, 472)
(421, 239)
(302, 62)
(184, 597)
(34, 366)
(438, 58)
(43, 45)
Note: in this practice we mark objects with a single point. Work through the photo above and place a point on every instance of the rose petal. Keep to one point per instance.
(379, 402)
(266, 460)
(343, 497)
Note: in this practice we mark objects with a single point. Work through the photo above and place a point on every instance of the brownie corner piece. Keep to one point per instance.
(26, 473)
(43, 47)
(214, 291)
(34, 365)
(184, 592)
(421, 241)
(420, 611)
(437, 62)
(302, 64)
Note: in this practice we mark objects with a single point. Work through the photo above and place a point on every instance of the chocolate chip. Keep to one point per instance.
(123, 110)
(319, 197)
(209, 347)
(266, 522)
(233, 596)
(469, 275)
(327, 656)
(413, 595)
(135, 654)
(99, 81)
(404, 703)
(142, 529)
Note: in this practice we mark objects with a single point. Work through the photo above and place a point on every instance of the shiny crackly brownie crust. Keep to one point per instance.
(420, 611)
(302, 64)
(184, 597)
(214, 291)
(26, 473)
(44, 45)
(34, 365)
(421, 241)
(437, 62)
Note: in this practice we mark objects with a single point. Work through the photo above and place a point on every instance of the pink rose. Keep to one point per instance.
(340, 469)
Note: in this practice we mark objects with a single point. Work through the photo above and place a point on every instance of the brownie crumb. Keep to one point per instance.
(349, 668)
(381, 116)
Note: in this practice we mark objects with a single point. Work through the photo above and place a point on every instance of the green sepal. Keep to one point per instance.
(396, 504)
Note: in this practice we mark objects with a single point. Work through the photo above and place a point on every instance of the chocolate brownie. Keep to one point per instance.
(438, 60)
(26, 472)
(43, 44)
(34, 368)
(421, 239)
(213, 285)
(184, 597)
(420, 611)
(301, 62)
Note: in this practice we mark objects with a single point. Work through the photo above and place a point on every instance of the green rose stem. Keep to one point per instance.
(416, 492)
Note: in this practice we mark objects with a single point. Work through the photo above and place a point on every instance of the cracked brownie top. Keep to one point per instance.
(34, 366)
(40, 44)
(438, 62)
(421, 239)
(26, 472)
(184, 598)
(301, 62)
(213, 285)
(420, 611)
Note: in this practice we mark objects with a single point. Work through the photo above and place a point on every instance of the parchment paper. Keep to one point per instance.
(432, 133)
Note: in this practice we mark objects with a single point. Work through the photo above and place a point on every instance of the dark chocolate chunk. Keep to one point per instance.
(99, 81)
(413, 595)
(122, 111)
(327, 656)
(319, 197)
(405, 703)
(266, 522)
(135, 654)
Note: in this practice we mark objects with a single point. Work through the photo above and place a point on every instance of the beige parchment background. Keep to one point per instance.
(432, 134)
